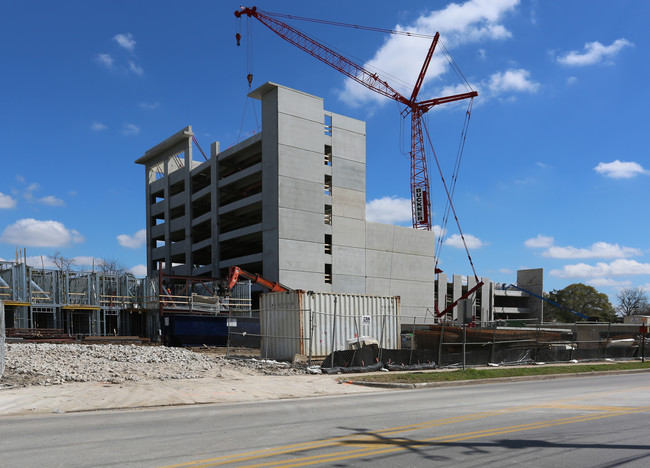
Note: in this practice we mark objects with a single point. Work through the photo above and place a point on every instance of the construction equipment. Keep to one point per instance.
(420, 193)
(235, 272)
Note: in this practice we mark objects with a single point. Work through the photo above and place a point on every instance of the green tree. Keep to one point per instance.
(580, 298)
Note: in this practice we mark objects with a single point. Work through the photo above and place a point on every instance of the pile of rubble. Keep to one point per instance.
(52, 364)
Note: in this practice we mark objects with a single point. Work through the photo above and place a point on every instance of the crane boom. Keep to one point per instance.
(323, 53)
(420, 194)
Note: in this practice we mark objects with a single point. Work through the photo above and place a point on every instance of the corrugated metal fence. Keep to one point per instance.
(316, 324)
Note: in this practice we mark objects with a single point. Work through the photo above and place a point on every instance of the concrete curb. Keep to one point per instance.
(409, 386)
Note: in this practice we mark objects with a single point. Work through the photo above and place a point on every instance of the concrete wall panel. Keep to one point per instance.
(305, 280)
(348, 232)
(349, 284)
(349, 203)
(300, 194)
(414, 241)
(300, 256)
(300, 164)
(378, 264)
(301, 225)
(301, 105)
(341, 122)
(348, 174)
(300, 133)
(348, 261)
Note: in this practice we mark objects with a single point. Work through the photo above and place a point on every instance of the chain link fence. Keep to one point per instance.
(357, 340)
(497, 344)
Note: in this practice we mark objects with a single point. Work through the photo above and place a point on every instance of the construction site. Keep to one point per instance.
(265, 245)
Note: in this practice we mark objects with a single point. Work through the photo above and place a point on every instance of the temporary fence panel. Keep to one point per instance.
(282, 333)
(541, 343)
(315, 324)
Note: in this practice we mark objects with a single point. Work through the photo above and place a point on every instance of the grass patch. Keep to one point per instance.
(478, 374)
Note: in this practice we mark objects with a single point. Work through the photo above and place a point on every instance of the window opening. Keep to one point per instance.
(328, 155)
(328, 184)
(328, 244)
(328, 215)
(328, 125)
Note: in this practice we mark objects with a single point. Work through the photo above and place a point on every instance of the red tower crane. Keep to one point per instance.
(420, 202)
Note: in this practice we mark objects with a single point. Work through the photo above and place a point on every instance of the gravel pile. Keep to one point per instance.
(52, 364)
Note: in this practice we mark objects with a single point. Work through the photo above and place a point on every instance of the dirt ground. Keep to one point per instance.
(238, 379)
(87, 396)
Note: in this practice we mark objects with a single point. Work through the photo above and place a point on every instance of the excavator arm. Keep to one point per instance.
(236, 272)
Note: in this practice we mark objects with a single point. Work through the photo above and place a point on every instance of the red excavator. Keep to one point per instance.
(236, 272)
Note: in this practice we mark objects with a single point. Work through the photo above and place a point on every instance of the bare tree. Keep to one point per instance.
(111, 266)
(632, 301)
(61, 262)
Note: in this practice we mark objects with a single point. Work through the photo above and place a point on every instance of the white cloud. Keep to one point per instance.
(98, 126)
(512, 80)
(620, 169)
(597, 250)
(40, 261)
(130, 129)
(51, 201)
(506, 271)
(105, 60)
(126, 41)
(400, 58)
(85, 260)
(135, 68)
(7, 201)
(135, 241)
(139, 270)
(608, 282)
(619, 267)
(594, 52)
(456, 241)
(539, 242)
(149, 105)
(34, 233)
(571, 80)
(389, 210)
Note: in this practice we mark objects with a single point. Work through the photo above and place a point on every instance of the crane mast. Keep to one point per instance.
(420, 194)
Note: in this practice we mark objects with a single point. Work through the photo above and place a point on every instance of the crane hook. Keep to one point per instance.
(249, 77)
(238, 37)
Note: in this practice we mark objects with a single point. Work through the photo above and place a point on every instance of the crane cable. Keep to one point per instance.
(249, 71)
(447, 190)
(456, 170)
(347, 25)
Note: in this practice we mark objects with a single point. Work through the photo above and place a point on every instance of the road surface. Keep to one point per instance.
(600, 421)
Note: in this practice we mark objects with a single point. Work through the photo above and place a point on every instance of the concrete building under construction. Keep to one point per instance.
(289, 203)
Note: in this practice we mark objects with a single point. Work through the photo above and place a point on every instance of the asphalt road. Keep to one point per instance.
(601, 421)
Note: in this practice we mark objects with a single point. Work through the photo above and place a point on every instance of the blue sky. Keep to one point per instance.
(556, 167)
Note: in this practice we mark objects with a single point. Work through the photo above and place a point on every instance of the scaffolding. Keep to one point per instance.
(89, 303)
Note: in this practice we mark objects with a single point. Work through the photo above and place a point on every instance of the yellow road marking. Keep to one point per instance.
(346, 455)
(360, 439)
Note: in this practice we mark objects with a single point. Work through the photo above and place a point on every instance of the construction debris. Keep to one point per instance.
(53, 364)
